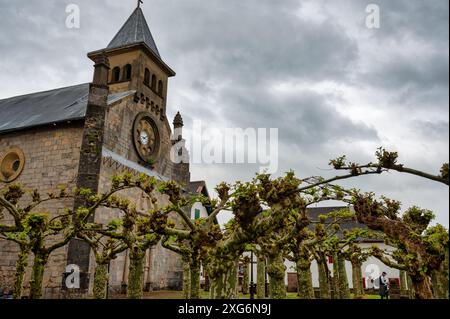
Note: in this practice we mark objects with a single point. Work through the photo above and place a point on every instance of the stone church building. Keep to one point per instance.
(82, 135)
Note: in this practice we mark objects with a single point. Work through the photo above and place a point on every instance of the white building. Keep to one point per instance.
(371, 269)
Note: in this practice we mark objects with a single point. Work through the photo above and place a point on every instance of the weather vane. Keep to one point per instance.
(139, 2)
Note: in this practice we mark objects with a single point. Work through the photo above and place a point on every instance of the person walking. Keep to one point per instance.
(384, 286)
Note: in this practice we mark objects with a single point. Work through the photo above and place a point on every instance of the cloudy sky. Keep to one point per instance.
(310, 68)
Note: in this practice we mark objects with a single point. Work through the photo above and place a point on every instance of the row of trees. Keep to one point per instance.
(270, 219)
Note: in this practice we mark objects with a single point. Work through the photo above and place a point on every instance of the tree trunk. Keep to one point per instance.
(186, 280)
(344, 290)
(101, 279)
(21, 267)
(277, 271)
(411, 292)
(304, 279)
(37, 276)
(223, 278)
(445, 274)
(357, 280)
(403, 283)
(195, 279)
(135, 274)
(245, 280)
(226, 285)
(335, 279)
(235, 280)
(440, 280)
(212, 288)
(422, 287)
(261, 278)
(324, 284)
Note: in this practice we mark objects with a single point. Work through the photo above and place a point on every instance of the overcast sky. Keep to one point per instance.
(310, 68)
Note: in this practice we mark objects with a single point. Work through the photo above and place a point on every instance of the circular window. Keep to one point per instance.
(11, 164)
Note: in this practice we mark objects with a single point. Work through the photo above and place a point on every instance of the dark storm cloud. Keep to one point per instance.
(300, 118)
(423, 75)
(328, 84)
(256, 41)
(422, 19)
(414, 62)
(433, 130)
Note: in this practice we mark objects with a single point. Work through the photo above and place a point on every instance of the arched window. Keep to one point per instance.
(116, 74)
(147, 77)
(127, 72)
(154, 82)
(160, 88)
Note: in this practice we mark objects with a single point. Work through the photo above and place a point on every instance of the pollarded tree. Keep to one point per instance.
(386, 161)
(192, 241)
(420, 253)
(303, 258)
(246, 275)
(437, 238)
(283, 208)
(138, 232)
(40, 234)
(34, 232)
(283, 201)
(260, 270)
(341, 247)
(302, 247)
(105, 243)
(251, 222)
(357, 256)
(105, 250)
(319, 252)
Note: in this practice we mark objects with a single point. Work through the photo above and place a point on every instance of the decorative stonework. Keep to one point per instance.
(146, 137)
(150, 105)
(11, 164)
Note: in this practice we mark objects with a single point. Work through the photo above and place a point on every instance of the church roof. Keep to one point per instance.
(198, 187)
(135, 30)
(349, 225)
(49, 107)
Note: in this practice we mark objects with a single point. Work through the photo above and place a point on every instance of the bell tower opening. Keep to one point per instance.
(136, 63)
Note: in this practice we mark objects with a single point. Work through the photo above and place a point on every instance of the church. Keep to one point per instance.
(80, 136)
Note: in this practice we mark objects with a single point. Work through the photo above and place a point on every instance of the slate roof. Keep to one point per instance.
(198, 187)
(55, 106)
(135, 30)
(315, 212)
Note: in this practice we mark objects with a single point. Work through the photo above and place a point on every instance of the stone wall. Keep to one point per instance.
(163, 267)
(51, 160)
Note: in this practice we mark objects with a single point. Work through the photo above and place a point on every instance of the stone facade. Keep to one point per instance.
(88, 152)
(51, 160)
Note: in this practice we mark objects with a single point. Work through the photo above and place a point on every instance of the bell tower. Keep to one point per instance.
(136, 63)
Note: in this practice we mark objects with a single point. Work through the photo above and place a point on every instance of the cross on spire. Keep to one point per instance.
(139, 2)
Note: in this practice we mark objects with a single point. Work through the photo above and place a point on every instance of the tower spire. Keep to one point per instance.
(135, 30)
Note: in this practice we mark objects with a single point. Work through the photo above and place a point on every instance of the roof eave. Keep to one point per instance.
(35, 126)
(129, 47)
